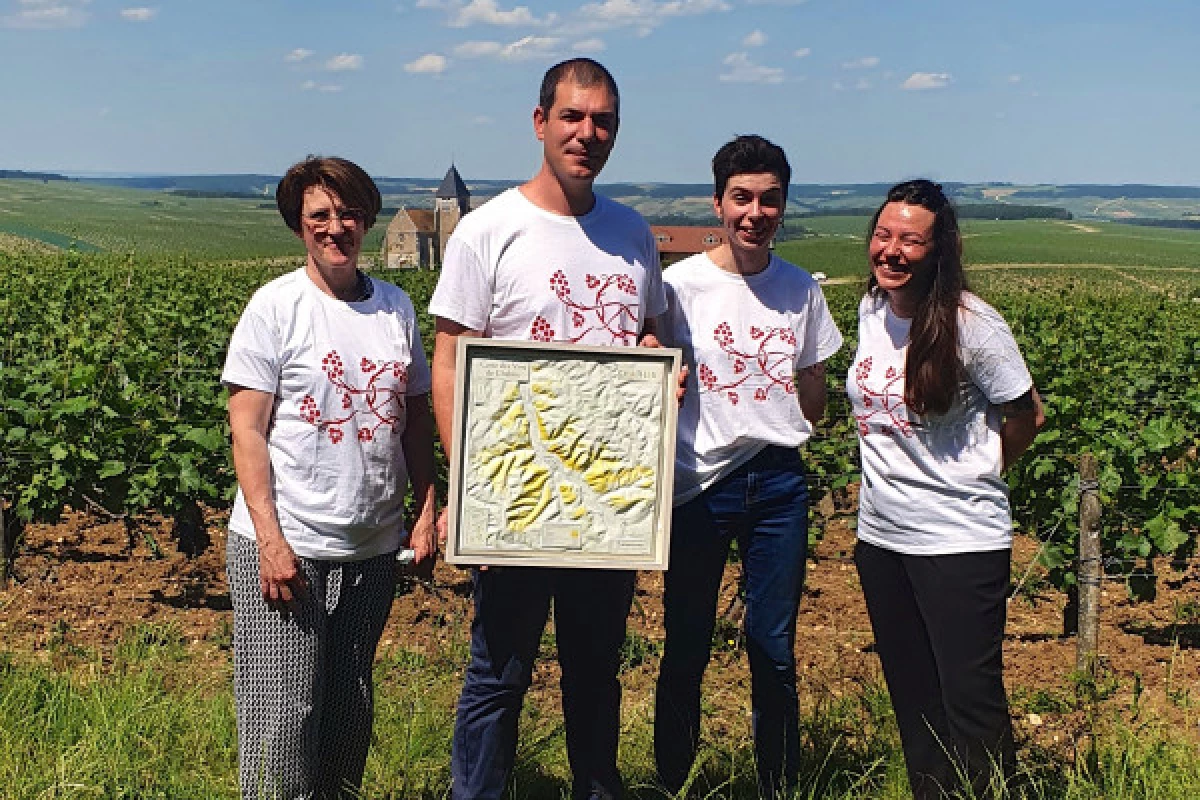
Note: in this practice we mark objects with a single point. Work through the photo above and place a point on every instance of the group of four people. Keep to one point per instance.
(331, 424)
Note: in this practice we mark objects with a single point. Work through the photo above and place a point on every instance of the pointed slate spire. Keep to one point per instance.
(452, 187)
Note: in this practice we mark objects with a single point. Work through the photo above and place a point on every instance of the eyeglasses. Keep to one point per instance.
(349, 217)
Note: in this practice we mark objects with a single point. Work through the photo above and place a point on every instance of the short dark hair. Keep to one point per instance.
(746, 154)
(347, 180)
(580, 71)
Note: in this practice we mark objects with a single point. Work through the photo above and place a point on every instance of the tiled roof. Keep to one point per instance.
(422, 219)
(687, 238)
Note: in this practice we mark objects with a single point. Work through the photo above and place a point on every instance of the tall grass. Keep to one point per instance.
(156, 721)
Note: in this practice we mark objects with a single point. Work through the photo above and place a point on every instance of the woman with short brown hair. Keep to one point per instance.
(328, 407)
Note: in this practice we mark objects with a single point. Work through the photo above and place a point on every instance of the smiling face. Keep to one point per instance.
(333, 236)
(751, 209)
(577, 132)
(901, 248)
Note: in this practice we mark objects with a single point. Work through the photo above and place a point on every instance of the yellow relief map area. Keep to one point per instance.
(562, 455)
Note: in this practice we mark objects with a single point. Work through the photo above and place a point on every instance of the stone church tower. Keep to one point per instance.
(451, 202)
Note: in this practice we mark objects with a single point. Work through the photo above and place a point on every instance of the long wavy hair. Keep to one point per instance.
(933, 368)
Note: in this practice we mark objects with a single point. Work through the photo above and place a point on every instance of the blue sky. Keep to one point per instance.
(855, 90)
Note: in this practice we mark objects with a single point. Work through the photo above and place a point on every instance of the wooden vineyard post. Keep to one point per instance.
(5, 553)
(1090, 566)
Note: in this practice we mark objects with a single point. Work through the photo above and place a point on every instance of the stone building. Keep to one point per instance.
(416, 237)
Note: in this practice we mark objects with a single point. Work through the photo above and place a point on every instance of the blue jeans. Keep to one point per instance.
(764, 505)
(511, 606)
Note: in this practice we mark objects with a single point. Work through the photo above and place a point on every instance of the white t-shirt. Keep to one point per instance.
(340, 373)
(932, 485)
(516, 271)
(743, 338)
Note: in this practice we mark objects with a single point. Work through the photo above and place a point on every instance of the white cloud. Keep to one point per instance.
(313, 86)
(529, 47)
(861, 63)
(429, 64)
(477, 49)
(589, 46)
(643, 16)
(1014, 78)
(488, 12)
(47, 14)
(803, 52)
(297, 55)
(926, 80)
(524, 48)
(862, 84)
(344, 62)
(482, 119)
(754, 39)
(140, 14)
(743, 70)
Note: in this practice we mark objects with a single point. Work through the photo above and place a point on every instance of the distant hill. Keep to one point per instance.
(691, 202)
(20, 175)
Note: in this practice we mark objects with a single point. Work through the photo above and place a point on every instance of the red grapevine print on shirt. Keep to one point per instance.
(887, 400)
(772, 360)
(379, 405)
(603, 313)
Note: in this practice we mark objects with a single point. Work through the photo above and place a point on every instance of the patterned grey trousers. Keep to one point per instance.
(302, 681)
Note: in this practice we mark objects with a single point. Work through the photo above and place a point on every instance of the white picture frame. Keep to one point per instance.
(562, 455)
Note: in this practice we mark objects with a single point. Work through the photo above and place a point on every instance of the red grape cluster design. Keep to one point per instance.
(558, 282)
(308, 410)
(380, 404)
(888, 400)
(619, 320)
(772, 360)
(541, 331)
(332, 365)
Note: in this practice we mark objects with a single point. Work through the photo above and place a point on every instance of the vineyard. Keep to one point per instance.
(110, 397)
(115, 473)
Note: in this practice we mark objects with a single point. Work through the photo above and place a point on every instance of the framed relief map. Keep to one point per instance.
(563, 455)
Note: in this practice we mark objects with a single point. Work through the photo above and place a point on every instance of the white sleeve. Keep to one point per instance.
(655, 300)
(253, 358)
(465, 289)
(992, 358)
(821, 335)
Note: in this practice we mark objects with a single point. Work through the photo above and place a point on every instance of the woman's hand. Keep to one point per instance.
(650, 339)
(422, 538)
(279, 573)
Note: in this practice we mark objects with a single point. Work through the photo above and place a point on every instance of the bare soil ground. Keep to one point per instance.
(80, 586)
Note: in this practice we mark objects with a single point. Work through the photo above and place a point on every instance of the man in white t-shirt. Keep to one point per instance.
(548, 261)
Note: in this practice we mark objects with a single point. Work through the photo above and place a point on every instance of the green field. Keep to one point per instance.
(113, 220)
(110, 397)
(838, 249)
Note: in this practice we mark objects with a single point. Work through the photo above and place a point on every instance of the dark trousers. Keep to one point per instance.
(939, 629)
(511, 606)
(764, 505)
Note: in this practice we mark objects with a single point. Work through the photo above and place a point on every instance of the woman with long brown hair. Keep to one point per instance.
(944, 402)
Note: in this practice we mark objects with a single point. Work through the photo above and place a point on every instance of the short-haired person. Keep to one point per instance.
(328, 407)
(550, 261)
(755, 332)
(944, 402)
